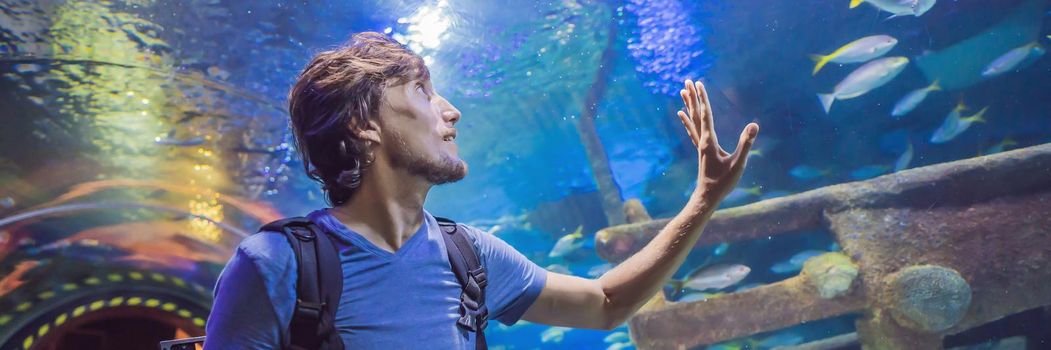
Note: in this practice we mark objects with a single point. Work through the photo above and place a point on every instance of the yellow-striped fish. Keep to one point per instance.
(856, 51)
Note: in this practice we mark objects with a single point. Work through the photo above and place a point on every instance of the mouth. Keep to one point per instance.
(450, 137)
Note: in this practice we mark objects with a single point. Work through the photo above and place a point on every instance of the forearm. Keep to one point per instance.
(632, 283)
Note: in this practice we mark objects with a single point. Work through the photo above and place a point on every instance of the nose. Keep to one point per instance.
(449, 112)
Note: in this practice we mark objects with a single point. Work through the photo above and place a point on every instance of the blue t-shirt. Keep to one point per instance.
(408, 299)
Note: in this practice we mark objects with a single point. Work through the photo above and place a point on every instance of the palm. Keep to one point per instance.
(719, 170)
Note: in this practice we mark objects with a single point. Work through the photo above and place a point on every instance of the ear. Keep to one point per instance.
(370, 131)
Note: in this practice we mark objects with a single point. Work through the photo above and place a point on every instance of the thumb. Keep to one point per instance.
(744, 144)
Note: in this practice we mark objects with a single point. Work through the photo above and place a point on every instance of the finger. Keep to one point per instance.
(689, 127)
(689, 99)
(744, 144)
(707, 124)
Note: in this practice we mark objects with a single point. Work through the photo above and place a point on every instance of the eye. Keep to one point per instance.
(423, 89)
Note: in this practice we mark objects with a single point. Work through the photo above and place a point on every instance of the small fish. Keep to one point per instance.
(558, 268)
(24, 68)
(554, 334)
(862, 80)
(911, 100)
(774, 194)
(567, 243)
(519, 324)
(898, 7)
(868, 172)
(740, 194)
(617, 337)
(7, 203)
(712, 277)
(904, 159)
(697, 296)
(856, 51)
(755, 153)
(218, 73)
(721, 249)
(620, 346)
(795, 263)
(806, 172)
(954, 125)
(1000, 147)
(167, 141)
(1010, 60)
(599, 270)
(13, 279)
(782, 339)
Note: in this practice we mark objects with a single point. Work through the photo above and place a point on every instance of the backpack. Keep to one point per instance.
(320, 282)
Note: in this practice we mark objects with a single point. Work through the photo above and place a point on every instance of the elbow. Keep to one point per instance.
(615, 317)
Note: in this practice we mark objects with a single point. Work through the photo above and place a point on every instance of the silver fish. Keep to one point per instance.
(716, 277)
(856, 51)
(1008, 61)
(904, 159)
(898, 7)
(913, 99)
(954, 125)
(862, 80)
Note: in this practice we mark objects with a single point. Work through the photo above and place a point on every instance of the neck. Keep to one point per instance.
(388, 207)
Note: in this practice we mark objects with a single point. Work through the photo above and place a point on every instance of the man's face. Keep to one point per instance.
(417, 131)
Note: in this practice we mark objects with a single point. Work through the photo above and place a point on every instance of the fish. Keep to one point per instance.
(739, 194)
(7, 203)
(909, 102)
(860, 50)
(795, 263)
(807, 172)
(711, 277)
(954, 125)
(558, 268)
(553, 334)
(13, 279)
(904, 159)
(567, 243)
(1000, 147)
(721, 249)
(697, 296)
(898, 7)
(167, 141)
(599, 270)
(1010, 60)
(617, 337)
(774, 194)
(869, 171)
(619, 346)
(864, 79)
(781, 339)
(24, 68)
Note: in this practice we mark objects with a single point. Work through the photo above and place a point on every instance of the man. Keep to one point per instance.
(373, 130)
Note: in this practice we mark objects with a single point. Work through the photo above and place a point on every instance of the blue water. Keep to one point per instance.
(521, 73)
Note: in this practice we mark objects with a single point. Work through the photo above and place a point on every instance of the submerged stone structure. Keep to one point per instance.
(927, 252)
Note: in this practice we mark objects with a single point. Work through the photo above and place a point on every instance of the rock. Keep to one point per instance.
(634, 211)
(832, 274)
(928, 298)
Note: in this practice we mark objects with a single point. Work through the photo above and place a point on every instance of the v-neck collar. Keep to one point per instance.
(328, 221)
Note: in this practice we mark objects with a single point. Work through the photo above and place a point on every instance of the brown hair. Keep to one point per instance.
(335, 96)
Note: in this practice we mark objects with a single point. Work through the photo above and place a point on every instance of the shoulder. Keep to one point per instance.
(266, 245)
(271, 255)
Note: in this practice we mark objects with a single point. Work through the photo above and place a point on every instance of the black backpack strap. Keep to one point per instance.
(474, 316)
(319, 286)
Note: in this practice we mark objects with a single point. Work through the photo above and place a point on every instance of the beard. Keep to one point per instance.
(445, 169)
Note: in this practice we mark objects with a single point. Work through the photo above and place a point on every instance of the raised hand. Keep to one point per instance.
(718, 171)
